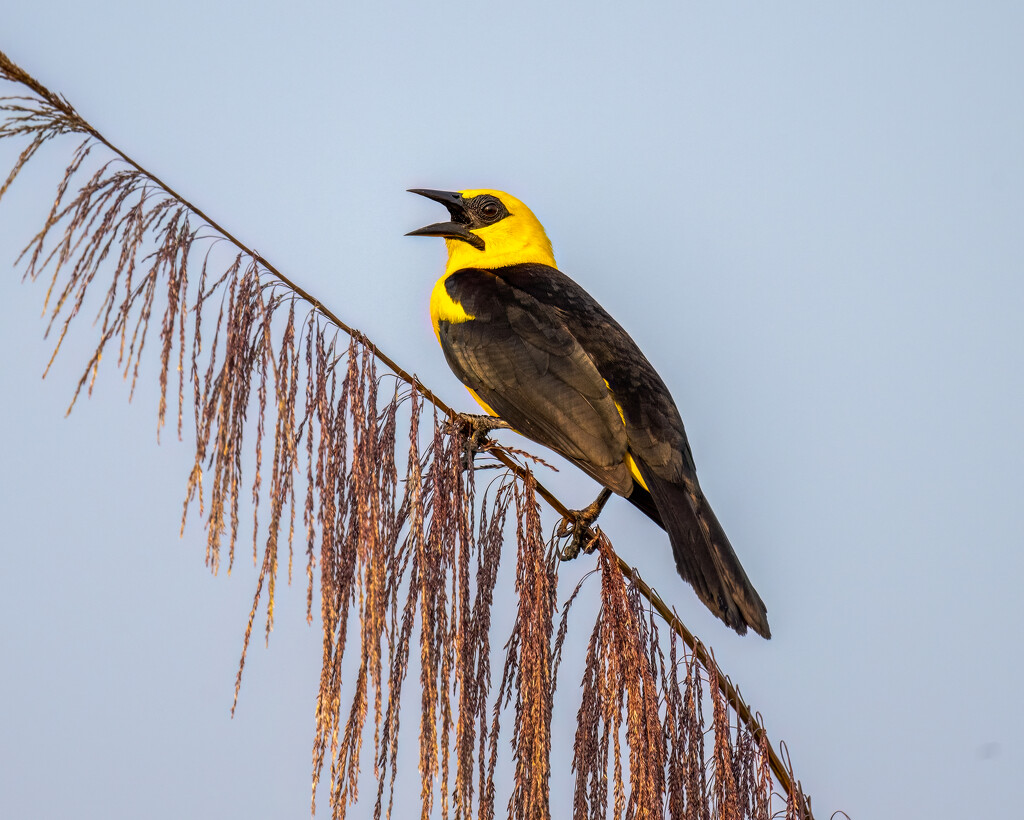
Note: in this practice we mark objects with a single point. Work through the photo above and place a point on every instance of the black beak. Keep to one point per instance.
(458, 228)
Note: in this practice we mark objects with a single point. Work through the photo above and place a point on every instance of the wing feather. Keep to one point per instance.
(517, 355)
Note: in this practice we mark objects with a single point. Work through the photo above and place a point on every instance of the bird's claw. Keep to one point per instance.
(476, 429)
(576, 527)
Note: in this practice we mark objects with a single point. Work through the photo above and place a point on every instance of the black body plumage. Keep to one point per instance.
(549, 360)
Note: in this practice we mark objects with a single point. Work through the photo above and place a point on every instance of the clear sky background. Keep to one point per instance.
(811, 218)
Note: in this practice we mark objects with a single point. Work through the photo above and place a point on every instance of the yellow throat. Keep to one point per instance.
(517, 239)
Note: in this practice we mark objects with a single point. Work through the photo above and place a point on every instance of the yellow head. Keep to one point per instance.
(489, 229)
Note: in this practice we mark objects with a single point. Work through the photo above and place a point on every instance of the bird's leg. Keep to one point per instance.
(477, 428)
(576, 527)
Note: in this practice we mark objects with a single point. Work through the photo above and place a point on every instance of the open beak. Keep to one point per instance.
(458, 228)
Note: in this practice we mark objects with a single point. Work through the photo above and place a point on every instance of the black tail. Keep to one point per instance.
(704, 556)
(644, 501)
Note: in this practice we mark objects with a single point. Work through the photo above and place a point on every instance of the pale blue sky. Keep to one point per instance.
(811, 218)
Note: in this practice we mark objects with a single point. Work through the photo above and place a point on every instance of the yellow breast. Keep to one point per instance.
(444, 308)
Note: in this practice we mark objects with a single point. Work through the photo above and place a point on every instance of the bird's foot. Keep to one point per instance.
(577, 527)
(476, 428)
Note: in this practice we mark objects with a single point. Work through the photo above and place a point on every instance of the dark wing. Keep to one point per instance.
(654, 428)
(657, 442)
(518, 357)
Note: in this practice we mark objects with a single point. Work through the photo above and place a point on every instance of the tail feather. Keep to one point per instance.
(644, 501)
(704, 556)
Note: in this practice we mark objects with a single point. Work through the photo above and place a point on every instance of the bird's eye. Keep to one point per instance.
(489, 210)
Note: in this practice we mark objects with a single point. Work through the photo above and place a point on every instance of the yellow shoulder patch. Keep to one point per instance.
(629, 458)
(636, 472)
(481, 402)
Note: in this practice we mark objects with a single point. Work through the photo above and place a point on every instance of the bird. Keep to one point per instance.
(541, 356)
